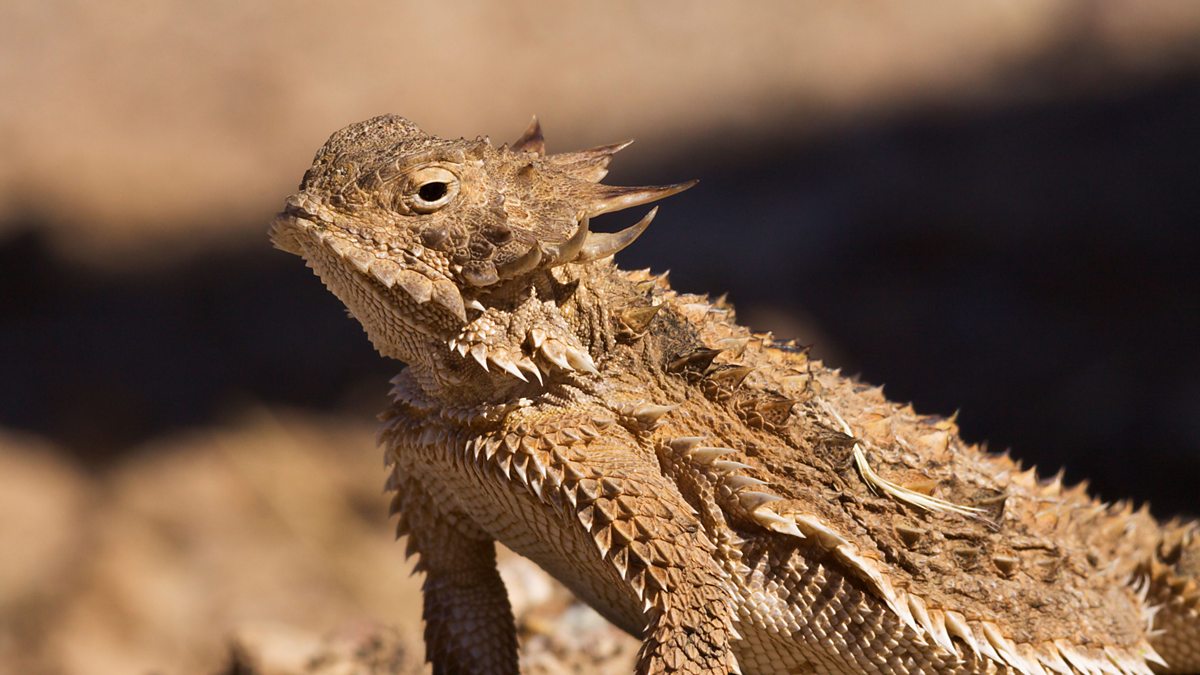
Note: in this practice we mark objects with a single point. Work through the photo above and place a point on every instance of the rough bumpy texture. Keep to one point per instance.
(737, 504)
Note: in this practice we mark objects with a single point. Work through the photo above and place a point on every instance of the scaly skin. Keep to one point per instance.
(731, 501)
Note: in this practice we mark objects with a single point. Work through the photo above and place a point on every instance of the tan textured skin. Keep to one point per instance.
(738, 505)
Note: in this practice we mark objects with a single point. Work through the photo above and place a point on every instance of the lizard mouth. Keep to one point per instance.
(396, 275)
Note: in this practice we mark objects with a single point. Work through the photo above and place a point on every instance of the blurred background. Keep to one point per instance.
(988, 207)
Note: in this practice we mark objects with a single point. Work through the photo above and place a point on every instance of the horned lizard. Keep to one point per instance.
(739, 505)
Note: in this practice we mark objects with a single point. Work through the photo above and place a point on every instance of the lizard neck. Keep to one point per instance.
(567, 305)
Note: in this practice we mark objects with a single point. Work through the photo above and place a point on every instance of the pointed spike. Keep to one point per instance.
(937, 627)
(908, 535)
(507, 366)
(620, 557)
(956, 626)
(729, 466)
(700, 359)
(531, 368)
(777, 523)
(603, 539)
(638, 319)
(638, 583)
(898, 602)
(586, 490)
(476, 305)
(490, 449)
(603, 244)
(532, 139)
(1050, 657)
(1006, 564)
(479, 353)
(519, 463)
(572, 473)
(708, 455)
(751, 500)
(526, 262)
(555, 352)
(733, 376)
(1149, 654)
(781, 405)
(512, 442)
(616, 198)
(737, 482)
(813, 527)
(685, 444)
(446, 295)
(1004, 647)
(569, 250)
(648, 415)
(581, 360)
(586, 517)
(504, 463)
(921, 613)
(590, 165)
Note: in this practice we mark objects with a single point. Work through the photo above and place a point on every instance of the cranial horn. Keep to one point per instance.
(614, 198)
(532, 140)
(590, 165)
(567, 250)
(518, 266)
(602, 244)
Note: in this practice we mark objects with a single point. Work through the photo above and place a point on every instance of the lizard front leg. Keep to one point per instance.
(608, 490)
(469, 626)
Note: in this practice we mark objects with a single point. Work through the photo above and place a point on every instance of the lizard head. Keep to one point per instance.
(418, 235)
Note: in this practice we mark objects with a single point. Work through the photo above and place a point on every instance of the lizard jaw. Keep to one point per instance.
(393, 293)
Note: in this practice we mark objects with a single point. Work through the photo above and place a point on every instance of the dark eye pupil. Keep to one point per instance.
(431, 192)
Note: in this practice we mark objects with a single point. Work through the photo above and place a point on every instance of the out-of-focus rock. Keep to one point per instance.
(280, 519)
(558, 634)
(44, 516)
(363, 649)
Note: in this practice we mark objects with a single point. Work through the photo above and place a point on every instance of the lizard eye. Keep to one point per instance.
(431, 188)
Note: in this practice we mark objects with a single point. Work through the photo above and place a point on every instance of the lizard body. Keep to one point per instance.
(737, 504)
